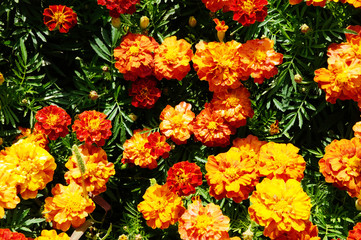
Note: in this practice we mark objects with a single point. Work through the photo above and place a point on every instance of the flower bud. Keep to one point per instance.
(93, 95)
(247, 235)
(105, 68)
(1, 78)
(192, 21)
(221, 35)
(305, 28)
(298, 78)
(1, 141)
(138, 237)
(24, 101)
(358, 204)
(144, 22)
(116, 22)
(133, 117)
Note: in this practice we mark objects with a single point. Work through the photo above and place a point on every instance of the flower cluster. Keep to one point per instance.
(342, 79)
(117, 7)
(59, 17)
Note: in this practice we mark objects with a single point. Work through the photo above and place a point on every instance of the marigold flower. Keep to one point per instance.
(221, 28)
(135, 56)
(310, 233)
(341, 165)
(319, 3)
(294, 2)
(355, 28)
(53, 121)
(161, 207)
(233, 105)
(34, 136)
(176, 122)
(144, 92)
(279, 160)
(52, 235)
(97, 169)
(68, 207)
(8, 191)
(171, 59)
(247, 12)
(207, 223)
(6, 234)
(32, 165)
(92, 127)
(355, 233)
(59, 17)
(260, 59)
(357, 129)
(184, 177)
(274, 128)
(231, 175)
(211, 129)
(158, 145)
(135, 151)
(215, 5)
(219, 64)
(117, 7)
(280, 206)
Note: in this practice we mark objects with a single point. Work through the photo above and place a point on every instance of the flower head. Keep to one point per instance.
(171, 59)
(8, 191)
(97, 169)
(92, 127)
(52, 235)
(144, 92)
(117, 7)
(6, 234)
(184, 177)
(207, 223)
(310, 233)
(247, 12)
(355, 233)
(53, 121)
(59, 17)
(68, 207)
(280, 206)
(161, 207)
(158, 145)
(215, 5)
(176, 122)
(357, 129)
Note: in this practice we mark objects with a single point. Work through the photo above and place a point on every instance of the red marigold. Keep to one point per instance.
(247, 12)
(144, 92)
(117, 7)
(53, 121)
(92, 127)
(171, 59)
(355, 233)
(135, 56)
(341, 165)
(6, 234)
(211, 129)
(59, 17)
(184, 177)
(158, 145)
(176, 122)
(233, 105)
(215, 5)
(294, 2)
(260, 59)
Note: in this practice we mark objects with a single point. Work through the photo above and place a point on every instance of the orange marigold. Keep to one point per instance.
(260, 59)
(357, 129)
(341, 165)
(280, 206)
(215, 5)
(355, 233)
(33, 136)
(59, 17)
(53, 121)
(92, 127)
(158, 145)
(211, 129)
(135, 56)
(8, 191)
(206, 223)
(219, 64)
(320, 3)
(176, 122)
(136, 153)
(161, 207)
(171, 59)
(233, 105)
(97, 169)
(68, 207)
(280, 160)
(52, 235)
(6, 234)
(310, 233)
(247, 12)
(231, 175)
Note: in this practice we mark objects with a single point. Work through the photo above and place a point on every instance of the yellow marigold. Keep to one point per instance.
(206, 223)
(231, 175)
(176, 122)
(233, 105)
(171, 59)
(33, 166)
(219, 64)
(97, 169)
(136, 153)
(8, 191)
(68, 207)
(279, 160)
(33, 136)
(161, 207)
(341, 165)
(355, 43)
(280, 206)
(52, 235)
(355, 3)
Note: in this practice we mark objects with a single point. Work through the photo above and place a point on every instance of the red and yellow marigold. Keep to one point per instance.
(59, 17)
(117, 7)
(161, 207)
(247, 12)
(52, 235)
(97, 169)
(280, 206)
(68, 207)
(171, 59)
(8, 191)
(6, 234)
(158, 145)
(144, 92)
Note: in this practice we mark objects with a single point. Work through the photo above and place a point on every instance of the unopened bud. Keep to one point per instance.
(192, 21)
(116, 22)
(247, 235)
(144, 22)
(305, 28)
(24, 101)
(138, 237)
(221, 35)
(93, 95)
(358, 204)
(133, 117)
(1, 141)
(105, 68)
(298, 78)
(125, 228)
(1, 78)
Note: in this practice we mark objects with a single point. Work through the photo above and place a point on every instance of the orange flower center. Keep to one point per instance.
(171, 56)
(282, 206)
(94, 124)
(144, 93)
(212, 125)
(202, 223)
(52, 119)
(353, 164)
(232, 101)
(248, 6)
(177, 120)
(260, 55)
(231, 173)
(59, 17)
(342, 77)
(181, 177)
(74, 203)
(133, 51)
